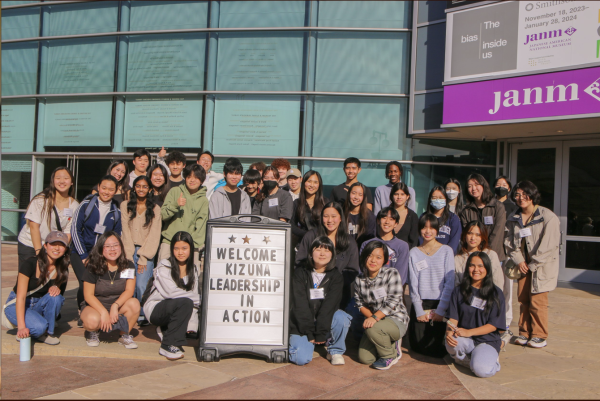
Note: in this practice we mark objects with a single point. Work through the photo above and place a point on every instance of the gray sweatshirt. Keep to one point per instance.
(220, 205)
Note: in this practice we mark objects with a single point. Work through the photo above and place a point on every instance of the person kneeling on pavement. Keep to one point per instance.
(378, 294)
(475, 316)
(316, 295)
(173, 301)
(108, 287)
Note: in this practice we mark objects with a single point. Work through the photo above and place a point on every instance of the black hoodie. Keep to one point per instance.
(312, 317)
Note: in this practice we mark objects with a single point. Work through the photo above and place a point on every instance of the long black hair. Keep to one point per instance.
(318, 204)
(262, 195)
(132, 203)
(189, 268)
(321, 242)
(342, 238)
(368, 250)
(123, 183)
(363, 211)
(61, 265)
(487, 291)
(49, 195)
(97, 263)
(460, 203)
(430, 209)
(162, 193)
(487, 194)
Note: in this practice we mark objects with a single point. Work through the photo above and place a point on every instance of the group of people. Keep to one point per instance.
(136, 245)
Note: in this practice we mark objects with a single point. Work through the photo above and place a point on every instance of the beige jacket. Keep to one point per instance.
(134, 233)
(542, 246)
(460, 267)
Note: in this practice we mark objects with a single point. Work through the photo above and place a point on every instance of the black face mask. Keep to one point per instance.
(269, 185)
(501, 191)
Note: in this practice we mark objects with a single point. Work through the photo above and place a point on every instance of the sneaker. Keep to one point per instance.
(521, 340)
(466, 361)
(336, 359)
(159, 332)
(385, 364)
(398, 349)
(126, 340)
(171, 352)
(80, 323)
(48, 339)
(144, 322)
(93, 339)
(537, 342)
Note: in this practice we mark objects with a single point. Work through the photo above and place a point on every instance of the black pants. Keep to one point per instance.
(425, 338)
(25, 252)
(79, 269)
(173, 315)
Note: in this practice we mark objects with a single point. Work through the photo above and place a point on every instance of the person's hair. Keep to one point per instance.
(260, 166)
(140, 153)
(393, 163)
(161, 190)
(505, 178)
(49, 195)
(484, 236)
(529, 189)
(233, 166)
(206, 152)
(61, 265)
(391, 210)
(132, 203)
(459, 198)
(251, 176)
(487, 291)
(399, 186)
(97, 263)
(263, 194)
(196, 170)
(277, 163)
(342, 239)
(363, 211)
(351, 160)
(430, 209)
(109, 177)
(319, 202)
(487, 195)
(321, 242)
(368, 250)
(175, 156)
(189, 268)
(123, 183)
(433, 222)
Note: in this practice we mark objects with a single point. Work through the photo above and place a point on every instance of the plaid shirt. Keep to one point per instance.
(392, 305)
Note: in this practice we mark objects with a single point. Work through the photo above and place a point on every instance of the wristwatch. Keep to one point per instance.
(374, 316)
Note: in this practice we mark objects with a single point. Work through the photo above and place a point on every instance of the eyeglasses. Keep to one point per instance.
(115, 246)
(521, 195)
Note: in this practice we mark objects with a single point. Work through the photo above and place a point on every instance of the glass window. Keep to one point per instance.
(580, 255)
(369, 128)
(159, 15)
(173, 122)
(19, 68)
(12, 222)
(367, 62)
(79, 65)
(257, 125)
(584, 190)
(18, 125)
(17, 3)
(16, 181)
(260, 14)
(166, 62)
(78, 122)
(365, 14)
(86, 181)
(21, 23)
(77, 19)
(429, 108)
(431, 44)
(453, 151)
(538, 166)
(254, 61)
(431, 11)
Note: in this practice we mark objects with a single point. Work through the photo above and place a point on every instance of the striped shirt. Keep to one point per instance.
(367, 293)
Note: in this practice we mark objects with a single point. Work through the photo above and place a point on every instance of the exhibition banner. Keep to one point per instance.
(18, 125)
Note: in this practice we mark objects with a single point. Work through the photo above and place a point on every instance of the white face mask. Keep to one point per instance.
(452, 194)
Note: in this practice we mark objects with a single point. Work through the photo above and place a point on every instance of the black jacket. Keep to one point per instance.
(409, 232)
(299, 228)
(312, 317)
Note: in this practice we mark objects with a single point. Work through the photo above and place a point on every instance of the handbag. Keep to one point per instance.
(511, 270)
(5, 322)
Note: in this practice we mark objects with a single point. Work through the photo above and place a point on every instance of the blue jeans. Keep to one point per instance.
(356, 327)
(484, 358)
(301, 350)
(40, 313)
(141, 279)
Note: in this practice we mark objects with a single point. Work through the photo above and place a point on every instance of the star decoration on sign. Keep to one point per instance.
(232, 239)
(246, 240)
(266, 240)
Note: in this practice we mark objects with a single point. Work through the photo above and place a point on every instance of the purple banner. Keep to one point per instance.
(562, 93)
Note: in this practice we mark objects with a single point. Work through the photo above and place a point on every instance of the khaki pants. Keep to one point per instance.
(533, 321)
(378, 341)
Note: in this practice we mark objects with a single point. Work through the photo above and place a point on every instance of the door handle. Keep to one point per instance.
(560, 243)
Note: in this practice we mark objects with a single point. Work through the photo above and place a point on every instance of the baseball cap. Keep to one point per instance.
(293, 172)
(57, 236)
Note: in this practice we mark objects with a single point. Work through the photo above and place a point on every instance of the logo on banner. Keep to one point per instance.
(594, 89)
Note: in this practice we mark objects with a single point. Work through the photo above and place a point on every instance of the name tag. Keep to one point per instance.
(317, 293)
(273, 202)
(128, 273)
(422, 264)
(99, 229)
(445, 229)
(67, 212)
(488, 220)
(380, 293)
(525, 232)
(478, 303)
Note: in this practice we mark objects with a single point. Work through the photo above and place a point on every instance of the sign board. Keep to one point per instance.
(520, 38)
(245, 299)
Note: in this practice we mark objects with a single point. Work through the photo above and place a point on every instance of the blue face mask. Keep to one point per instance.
(438, 203)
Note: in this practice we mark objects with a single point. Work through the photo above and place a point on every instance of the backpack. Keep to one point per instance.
(93, 198)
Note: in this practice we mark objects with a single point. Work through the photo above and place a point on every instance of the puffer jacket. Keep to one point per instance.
(542, 247)
(496, 210)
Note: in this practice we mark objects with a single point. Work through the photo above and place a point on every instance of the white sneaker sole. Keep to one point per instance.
(330, 359)
(168, 355)
(536, 345)
(521, 342)
(93, 344)
(129, 346)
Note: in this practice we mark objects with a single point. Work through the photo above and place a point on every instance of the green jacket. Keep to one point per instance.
(191, 218)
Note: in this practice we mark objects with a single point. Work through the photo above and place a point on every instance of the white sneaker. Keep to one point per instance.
(336, 359)
(126, 340)
(537, 342)
(170, 352)
(521, 340)
(48, 339)
(159, 332)
(93, 339)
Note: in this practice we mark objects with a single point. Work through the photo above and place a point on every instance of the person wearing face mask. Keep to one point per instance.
(362, 224)
(273, 202)
(407, 227)
(308, 207)
(120, 170)
(393, 172)
(502, 188)
(450, 227)
(455, 198)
